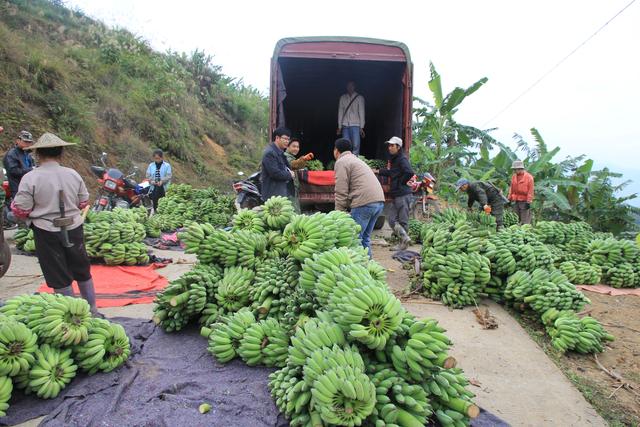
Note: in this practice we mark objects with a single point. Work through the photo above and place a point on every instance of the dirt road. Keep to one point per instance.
(516, 380)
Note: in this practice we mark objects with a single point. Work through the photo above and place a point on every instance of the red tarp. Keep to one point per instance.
(117, 286)
(318, 177)
(608, 290)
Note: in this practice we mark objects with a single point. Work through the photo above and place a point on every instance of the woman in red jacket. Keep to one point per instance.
(521, 192)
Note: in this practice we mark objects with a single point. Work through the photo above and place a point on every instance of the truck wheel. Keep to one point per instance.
(5, 257)
(380, 222)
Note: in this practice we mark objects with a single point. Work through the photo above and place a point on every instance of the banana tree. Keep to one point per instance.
(442, 145)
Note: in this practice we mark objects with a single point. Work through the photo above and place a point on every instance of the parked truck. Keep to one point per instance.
(308, 76)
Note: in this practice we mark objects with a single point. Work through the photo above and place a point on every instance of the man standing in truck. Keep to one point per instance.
(351, 116)
(276, 174)
(357, 189)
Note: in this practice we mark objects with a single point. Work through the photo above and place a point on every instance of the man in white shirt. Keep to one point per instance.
(351, 116)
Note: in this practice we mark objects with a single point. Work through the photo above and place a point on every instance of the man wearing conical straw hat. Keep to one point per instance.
(50, 199)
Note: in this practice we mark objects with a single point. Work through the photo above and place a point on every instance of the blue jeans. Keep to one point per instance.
(352, 133)
(366, 217)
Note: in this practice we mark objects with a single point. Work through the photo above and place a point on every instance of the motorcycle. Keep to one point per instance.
(248, 191)
(119, 191)
(425, 202)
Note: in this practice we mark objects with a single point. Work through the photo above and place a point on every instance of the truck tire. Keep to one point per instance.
(380, 222)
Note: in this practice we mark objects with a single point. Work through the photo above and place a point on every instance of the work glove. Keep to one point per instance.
(527, 205)
(307, 157)
(487, 209)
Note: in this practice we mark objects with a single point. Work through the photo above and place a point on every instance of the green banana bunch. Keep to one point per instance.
(304, 236)
(194, 235)
(292, 396)
(18, 307)
(582, 273)
(248, 220)
(275, 281)
(449, 215)
(277, 212)
(234, 288)
(315, 333)
(620, 276)
(325, 262)
(324, 359)
(419, 348)
(60, 320)
(210, 314)
(368, 314)
(397, 401)
(274, 244)
(347, 230)
(264, 343)
(451, 400)
(298, 307)
(24, 240)
(6, 388)
(225, 336)
(510, 218)
(107, 348)
(17, 347)
(343, 396)
(415, 230)
(251, 248)
(52, 371)
(569, 332)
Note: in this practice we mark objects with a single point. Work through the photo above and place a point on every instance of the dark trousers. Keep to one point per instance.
(524, 212)
(157, 193)
(399, 211)
(61, 266)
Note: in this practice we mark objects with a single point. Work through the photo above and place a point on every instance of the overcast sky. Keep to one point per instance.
(587, 105)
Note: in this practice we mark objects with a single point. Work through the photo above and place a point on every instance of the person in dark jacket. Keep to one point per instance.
(17, 162)
(400, 172)
(276, 174)
(487, 195)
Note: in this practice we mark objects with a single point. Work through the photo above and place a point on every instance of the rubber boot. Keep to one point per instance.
(88, 292)
(66, 291)
(405, 240)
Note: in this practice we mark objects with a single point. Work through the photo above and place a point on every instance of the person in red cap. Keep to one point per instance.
(521, 192)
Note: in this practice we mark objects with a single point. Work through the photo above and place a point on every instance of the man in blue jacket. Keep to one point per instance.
(276, 173)
(400, 172)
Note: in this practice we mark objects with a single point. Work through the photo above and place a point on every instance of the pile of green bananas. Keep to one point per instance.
(510, 218)
(314, 165)
(183, 203)
(450, 216)
(135, 215)
(264, 343)
(225, 335)
(277, 212)
(611, 252)
(6, 388)
(453, 405)
(185, 299)
(116, 241)
(457, 278)
(415, 230)
(543, 289)
(621, 276)
(52, 370)
(275, 282)
(569, 332)
(248, 220)
(24, 240)
(17, 347)
(106, 348)
(581, 273)
(42, 336)
(397, 401)
(372, 163)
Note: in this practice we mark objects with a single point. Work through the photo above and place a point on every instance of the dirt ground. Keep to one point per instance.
(621, 317)
(515, 379)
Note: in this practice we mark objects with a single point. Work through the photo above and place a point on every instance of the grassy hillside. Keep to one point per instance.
(107, 90)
